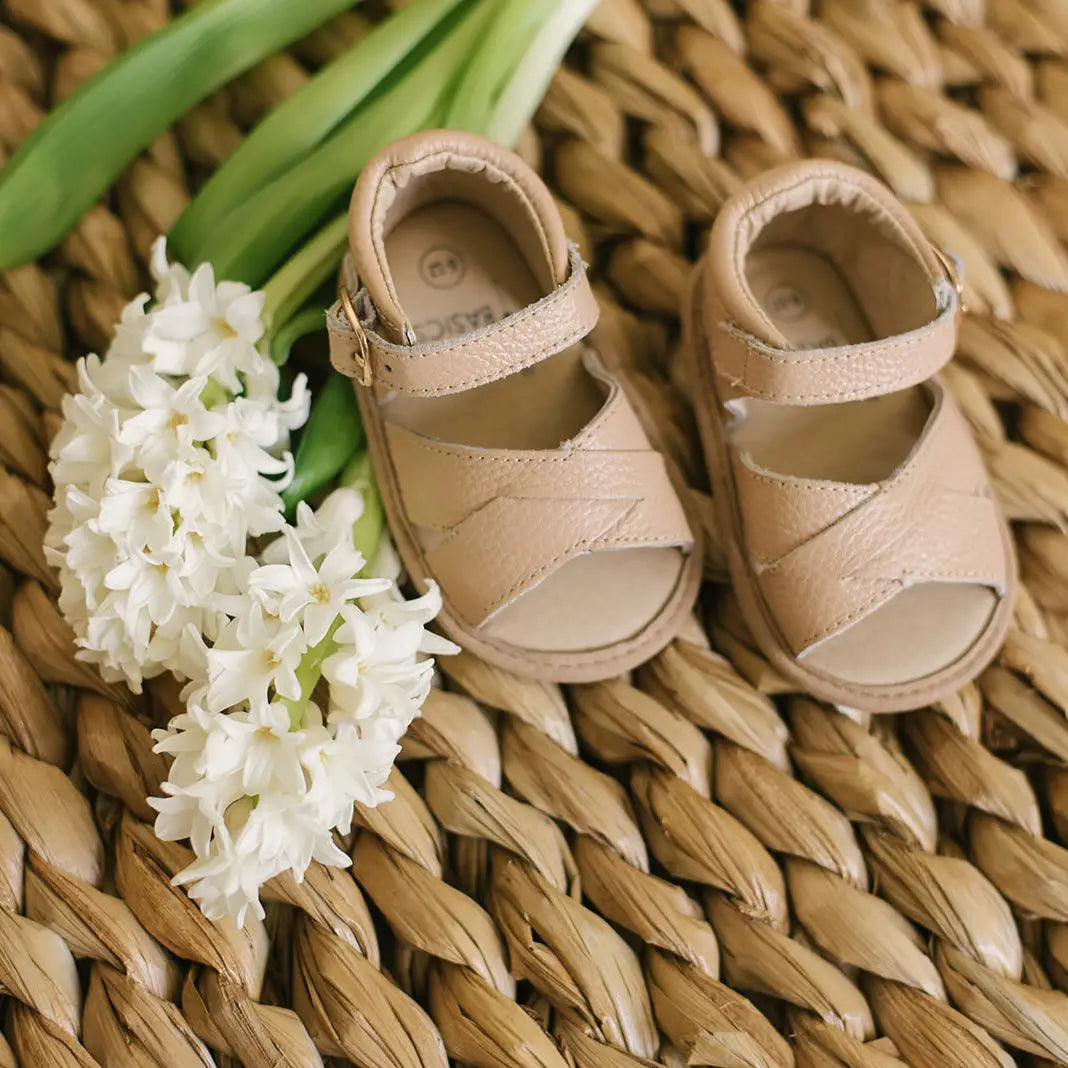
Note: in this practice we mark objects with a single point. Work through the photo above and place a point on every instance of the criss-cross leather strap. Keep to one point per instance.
(454, 365)
(605, 489)
(839, 551)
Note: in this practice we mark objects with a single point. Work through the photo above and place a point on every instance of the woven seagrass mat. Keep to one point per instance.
(692, 868)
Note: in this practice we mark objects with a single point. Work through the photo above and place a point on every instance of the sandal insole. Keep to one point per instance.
(925, 627)
(810, 303)
(456, 269)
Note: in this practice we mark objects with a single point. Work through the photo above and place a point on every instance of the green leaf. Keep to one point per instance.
(72, 158)
(332, 435)
(316, 263)
(504, 45)
(531, 77)
(280, 342)
(301, 122)
(256, 236)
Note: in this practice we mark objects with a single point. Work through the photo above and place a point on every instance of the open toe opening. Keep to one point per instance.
(925, 629)
(593, 601)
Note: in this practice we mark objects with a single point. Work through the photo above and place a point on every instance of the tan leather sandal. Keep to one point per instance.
(868, 555)
(516, 471)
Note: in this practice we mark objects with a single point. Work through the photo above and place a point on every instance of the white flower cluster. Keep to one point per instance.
(171, 456)
(301, 677)
(296, 714)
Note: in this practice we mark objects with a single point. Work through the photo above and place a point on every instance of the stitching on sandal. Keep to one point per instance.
(700, 350)
(484, 164)
(652, 637)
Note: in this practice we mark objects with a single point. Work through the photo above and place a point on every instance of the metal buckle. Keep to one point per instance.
(949, 265)
(362, 356)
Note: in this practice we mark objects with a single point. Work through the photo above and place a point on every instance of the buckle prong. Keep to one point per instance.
(362, 356)
(950, 266)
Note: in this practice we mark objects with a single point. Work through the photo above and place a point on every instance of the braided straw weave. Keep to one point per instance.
(687, 867)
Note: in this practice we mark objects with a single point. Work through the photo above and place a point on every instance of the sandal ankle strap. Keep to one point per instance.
(846, 372)
(456, 364)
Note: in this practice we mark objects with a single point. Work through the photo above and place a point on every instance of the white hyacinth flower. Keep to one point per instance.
(201, 329)
(303, 666)
(256, 761)
(318, 530)
(314, 594)
(171, 456)
(347, 766)
(254, 660)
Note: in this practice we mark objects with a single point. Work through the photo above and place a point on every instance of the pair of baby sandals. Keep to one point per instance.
(522, 475)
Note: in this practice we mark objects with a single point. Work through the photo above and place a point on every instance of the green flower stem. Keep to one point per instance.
(305, 272)
(280, 341)
(309, 672)
(505, 43)
(331, 437)
(301, 123)
(528, 81)
(255, 236)
(366, 536)
(87, 142)
(368, 529)
(213, 393)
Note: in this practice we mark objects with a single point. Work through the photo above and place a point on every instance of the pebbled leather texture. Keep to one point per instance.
(823, 554)
(489, 524)
(586, 496)
(553, 324)
(933, 520)
(834, 375)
